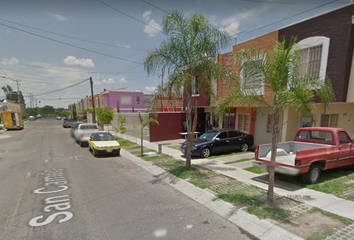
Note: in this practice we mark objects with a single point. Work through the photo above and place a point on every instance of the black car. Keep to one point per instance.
(219, 141)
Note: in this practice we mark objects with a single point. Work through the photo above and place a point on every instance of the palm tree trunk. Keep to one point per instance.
(275, 132)
(189, 136)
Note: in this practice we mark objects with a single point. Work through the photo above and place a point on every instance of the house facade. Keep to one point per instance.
(326, 43)
(124, 101)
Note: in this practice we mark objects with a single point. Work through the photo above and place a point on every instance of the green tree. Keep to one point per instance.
(104, 116)
(121, 124)
(143, 124)
(65, 113)
(287, 88)
(188, 52)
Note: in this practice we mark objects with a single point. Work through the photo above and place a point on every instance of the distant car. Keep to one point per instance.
(38, 116)
(103, 143)
(58, 118)
(74, 127)
(31, 118)
(68, 123)
(219, 141)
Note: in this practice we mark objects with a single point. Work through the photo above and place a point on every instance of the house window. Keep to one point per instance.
(137, 100)
(195, 91)
(252, 78)
(243, 122)
(329, 120)
(270, 123)
(310, 61)
(314, 56)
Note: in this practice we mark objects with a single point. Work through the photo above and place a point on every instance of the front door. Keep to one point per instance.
(222, 143)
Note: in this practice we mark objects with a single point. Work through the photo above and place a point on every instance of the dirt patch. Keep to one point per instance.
(216, 179)
(350, 181)
(307, 223)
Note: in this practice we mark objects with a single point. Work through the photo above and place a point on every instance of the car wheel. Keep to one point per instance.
(94, 152)
(313, 175)
(205, 153)
(118, 153)
(244, 147)
(81, 144)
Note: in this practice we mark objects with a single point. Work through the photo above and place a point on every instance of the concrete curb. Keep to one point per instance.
(261, 229)
(3, 131)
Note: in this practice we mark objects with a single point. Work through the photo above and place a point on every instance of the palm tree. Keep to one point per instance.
(189, 51)
(284, 88)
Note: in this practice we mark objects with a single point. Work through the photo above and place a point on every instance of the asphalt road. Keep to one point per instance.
(50, 188)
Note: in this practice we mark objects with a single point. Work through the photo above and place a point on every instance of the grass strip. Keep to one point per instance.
(344, 220)
(227, 155)
(319, 236)
(125, 143)
(193, 175)
(255, 169)
(240, 160)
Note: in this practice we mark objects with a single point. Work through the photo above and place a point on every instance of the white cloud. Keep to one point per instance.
(146, 15)
(231, 24)
(108, 81)
(97, 83)
(152, 28)
(123, 80)
(85, 62)
(10, 61)
(58, 17)
(150, 89)
(124, 46)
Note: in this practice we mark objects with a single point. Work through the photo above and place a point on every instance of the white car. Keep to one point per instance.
(83, 132)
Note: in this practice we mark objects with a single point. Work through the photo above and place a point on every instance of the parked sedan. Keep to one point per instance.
(220, 141)
(68, 123)
(103, 143)
(74, 127)
(31, 118)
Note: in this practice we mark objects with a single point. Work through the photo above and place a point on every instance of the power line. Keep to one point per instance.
(71, 45)
(68, 70)
(154, 6)
(42, 94)
(110, 6)
(77, 38)
(279, 2)
(270, 24)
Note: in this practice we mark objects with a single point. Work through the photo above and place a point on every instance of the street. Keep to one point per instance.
(50, 188)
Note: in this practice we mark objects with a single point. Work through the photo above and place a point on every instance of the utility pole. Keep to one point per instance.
(93, 102)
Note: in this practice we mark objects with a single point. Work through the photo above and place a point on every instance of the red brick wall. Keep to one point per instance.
(170, 124)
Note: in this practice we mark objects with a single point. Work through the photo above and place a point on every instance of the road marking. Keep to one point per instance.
(56, 177)
(28, 175)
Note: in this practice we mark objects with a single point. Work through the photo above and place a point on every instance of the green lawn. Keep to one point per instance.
(150, 155)
(226, 155)
(336, 181)
(125, 143)
(240, 160)
(255, 169)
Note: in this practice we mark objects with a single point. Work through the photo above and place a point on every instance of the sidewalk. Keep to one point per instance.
(313, 198)
(310, 197)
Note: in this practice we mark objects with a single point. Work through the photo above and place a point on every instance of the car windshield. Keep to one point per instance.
(103, 137)
(76, 125)
(208, 136)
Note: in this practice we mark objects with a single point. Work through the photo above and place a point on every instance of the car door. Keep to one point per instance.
(345, 149)
(221, 142)
(236, 140)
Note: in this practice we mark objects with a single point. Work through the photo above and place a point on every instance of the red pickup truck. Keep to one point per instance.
(313, 150)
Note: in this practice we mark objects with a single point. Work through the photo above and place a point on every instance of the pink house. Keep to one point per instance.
(122, 101)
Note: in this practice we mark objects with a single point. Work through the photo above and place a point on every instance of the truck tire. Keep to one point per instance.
(313, 175)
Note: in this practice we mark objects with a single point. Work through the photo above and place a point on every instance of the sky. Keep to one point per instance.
(50, 46)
